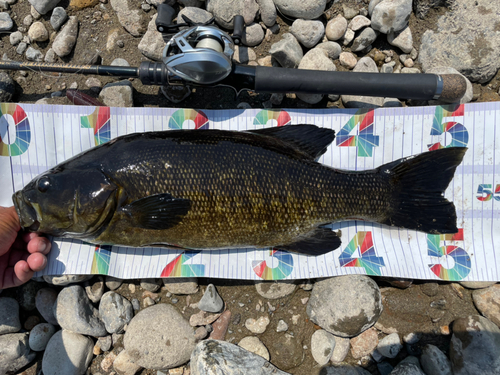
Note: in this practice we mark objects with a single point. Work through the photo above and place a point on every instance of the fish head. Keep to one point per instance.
(67, 203)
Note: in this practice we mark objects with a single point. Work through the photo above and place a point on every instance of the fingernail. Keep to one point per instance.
(42, 247)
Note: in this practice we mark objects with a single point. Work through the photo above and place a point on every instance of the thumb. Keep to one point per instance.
(9, 227)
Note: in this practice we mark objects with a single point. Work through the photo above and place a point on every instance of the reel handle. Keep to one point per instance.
(239, 24)
(164, 19)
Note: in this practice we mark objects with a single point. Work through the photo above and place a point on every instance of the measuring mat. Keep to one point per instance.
(35, 138)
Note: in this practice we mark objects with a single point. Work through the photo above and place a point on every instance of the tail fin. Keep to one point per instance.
(419, 183)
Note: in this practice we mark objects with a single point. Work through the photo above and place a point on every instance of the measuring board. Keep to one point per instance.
(35, 138)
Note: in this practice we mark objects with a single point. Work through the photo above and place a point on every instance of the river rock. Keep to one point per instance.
(151, 285)
(6, 22)
(475, 345)
(315, 59)
(116, 311)
(348, 60)
(336, 28)
(487, 301)
(196, 15)
(211, 300)
(333, 51)
(95, 289)
(254, 345)
(220, 357)
(476, 284)
(275, 289)
(124, 364)
(366, 38)
(345, 314)
(322, 346)
(408, 366)
(117, 94)
(32, 54)
(365, 64)
(287, 51)
(402, 39)
(38, 33)
(391, 15)
(15, 352)
(40, 336)
(159, 338)
(58, 17)
(224, 11)
(358, 22)
(152, 43)
(434, 361)
(45, 300)
(112, 283)
(308, 33)
(341, 349)
(364, 343)
(74, 312)
(305, 9)
(252, 35)
(67, 353)
(469, 93)
(267, 12)
(131, 17)
(44, 6)
(181, 285)
(459, 36)
(390, 346)
(63, 45)
(9, 315)
(15, 38)
(257, 325)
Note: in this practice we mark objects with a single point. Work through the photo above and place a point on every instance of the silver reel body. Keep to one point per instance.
(199, 54)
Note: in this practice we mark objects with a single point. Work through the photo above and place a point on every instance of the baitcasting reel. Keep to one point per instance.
(201, 53)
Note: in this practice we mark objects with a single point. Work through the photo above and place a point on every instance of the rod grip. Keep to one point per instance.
(404, 86)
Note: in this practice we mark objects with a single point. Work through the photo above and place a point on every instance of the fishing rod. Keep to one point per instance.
(201, 55)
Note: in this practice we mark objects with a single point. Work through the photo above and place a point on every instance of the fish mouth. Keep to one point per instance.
(28, 217)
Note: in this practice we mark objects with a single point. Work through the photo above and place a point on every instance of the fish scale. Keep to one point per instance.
(210, 189)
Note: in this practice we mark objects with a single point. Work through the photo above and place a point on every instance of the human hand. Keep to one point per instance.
(21, 253)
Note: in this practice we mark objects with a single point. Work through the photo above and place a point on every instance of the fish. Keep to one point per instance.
(215, 189)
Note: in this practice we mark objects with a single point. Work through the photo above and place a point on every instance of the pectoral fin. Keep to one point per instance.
(320, 241)
(157, 212)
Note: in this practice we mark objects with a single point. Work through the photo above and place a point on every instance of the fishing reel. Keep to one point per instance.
(200, 53)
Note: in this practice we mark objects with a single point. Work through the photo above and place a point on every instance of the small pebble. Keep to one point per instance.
(282, 326)
(200, 333)
(390, 346)
(322, 346)
(105, 342)
(40, 336)
(257, 326)
(254, 345)
(148, 301)
(136, 304)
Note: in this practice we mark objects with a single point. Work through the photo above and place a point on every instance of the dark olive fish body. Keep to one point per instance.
(206, 189)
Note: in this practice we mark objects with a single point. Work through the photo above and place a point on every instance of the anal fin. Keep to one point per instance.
(320, 241)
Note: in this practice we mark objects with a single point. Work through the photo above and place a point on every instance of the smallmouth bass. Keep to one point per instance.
(212, 189)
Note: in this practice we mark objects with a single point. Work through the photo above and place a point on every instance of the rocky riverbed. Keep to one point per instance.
(345, 325)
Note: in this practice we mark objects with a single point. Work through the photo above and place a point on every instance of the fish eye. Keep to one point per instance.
(43, 184)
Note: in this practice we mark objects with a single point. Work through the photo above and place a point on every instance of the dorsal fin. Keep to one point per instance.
(310, 139)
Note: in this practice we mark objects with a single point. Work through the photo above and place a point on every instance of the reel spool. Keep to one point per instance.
(199, 54)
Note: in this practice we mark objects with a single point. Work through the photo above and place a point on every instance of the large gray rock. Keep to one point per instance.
(67, 353)
(224, 11)
(66, 39)
(58, 17)
(159, 338)
(9, 315)
(44, 6)
(391, 15)
(487, 301)
(196, 15)
(287, 51)
(116, 311)
(336, 28)
(315, 59)
(253, 35)
(131, 16)
(152, 43)
(402, 39)
(365, 64)
(306, 9)
(75, 313)
(345, 314)
(15, 352)
(308, 33)
(475, 345)
(6, 22)
(213, 357)
(366, 38)
(465, 40)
